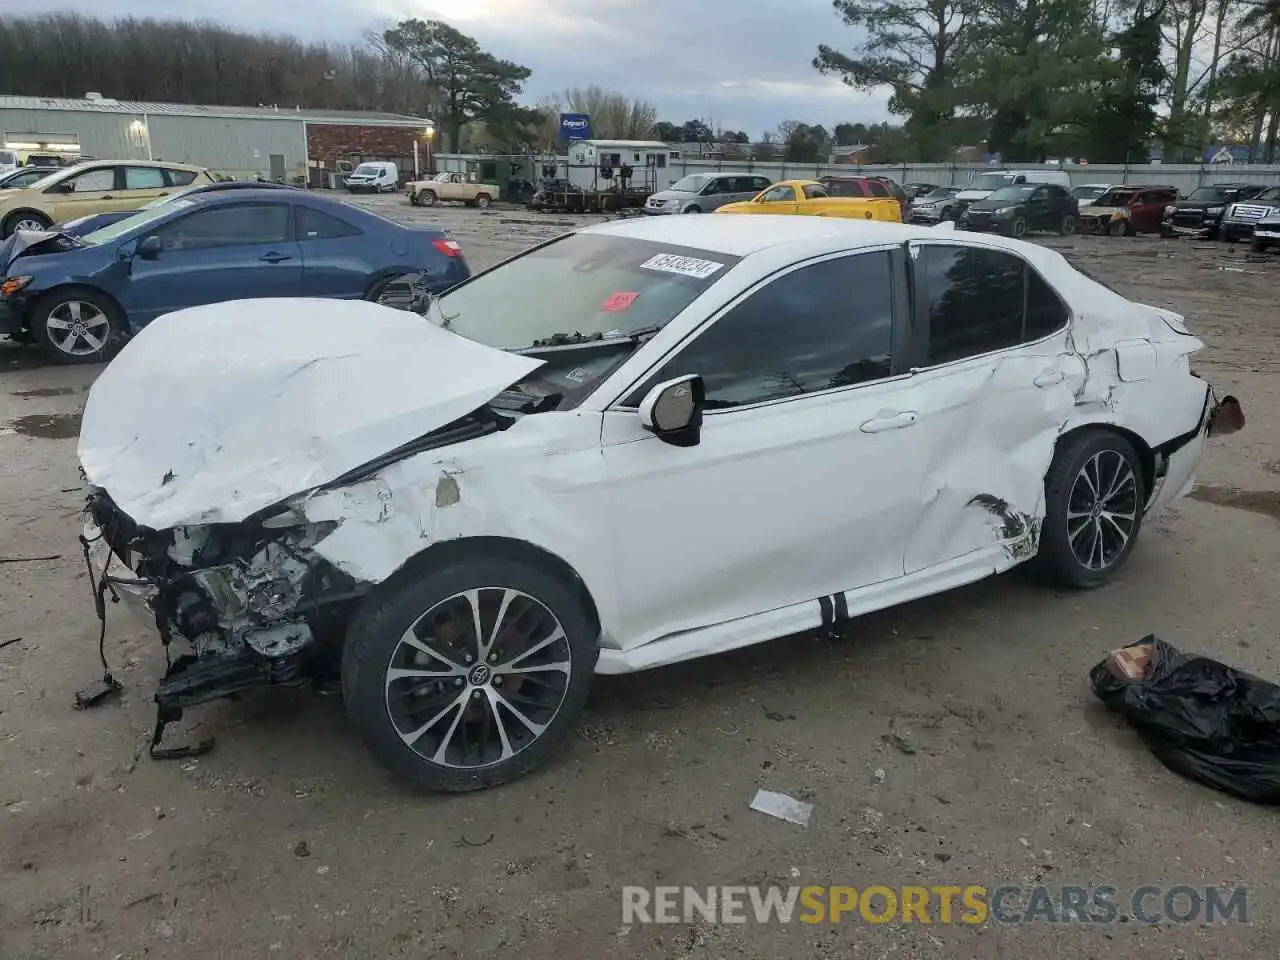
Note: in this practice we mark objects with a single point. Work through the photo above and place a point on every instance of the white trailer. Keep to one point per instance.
(613, 174)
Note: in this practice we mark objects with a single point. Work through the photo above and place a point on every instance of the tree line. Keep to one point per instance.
(1028, 79)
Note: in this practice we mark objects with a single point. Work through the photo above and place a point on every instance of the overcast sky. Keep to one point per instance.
(743, 65)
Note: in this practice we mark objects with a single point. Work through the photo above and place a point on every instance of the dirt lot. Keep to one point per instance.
(997, 765)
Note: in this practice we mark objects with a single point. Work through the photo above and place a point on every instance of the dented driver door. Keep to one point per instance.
(996, 379)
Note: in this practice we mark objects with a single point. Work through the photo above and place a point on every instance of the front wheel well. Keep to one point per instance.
(25, 212)
(507, 548)
(1140, 446)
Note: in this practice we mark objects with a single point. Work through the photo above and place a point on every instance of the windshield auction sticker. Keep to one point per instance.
(618, 302)
(684, 266)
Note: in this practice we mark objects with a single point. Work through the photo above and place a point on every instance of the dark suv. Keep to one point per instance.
(1199, 213)
(1016, 209)
(865, 185)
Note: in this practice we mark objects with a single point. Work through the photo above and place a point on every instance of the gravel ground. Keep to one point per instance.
(950, 741)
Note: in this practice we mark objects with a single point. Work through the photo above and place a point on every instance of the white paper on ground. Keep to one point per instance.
(783, 807)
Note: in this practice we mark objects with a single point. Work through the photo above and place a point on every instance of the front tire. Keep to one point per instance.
(1019, 227)
(692, 209)
(76, 326)
(1068, 225)
(1095, 497)
(1257, 246)
(427, 198)
(1116, 228)
(483, 200)
(470, 674)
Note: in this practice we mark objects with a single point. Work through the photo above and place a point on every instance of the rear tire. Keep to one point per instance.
(77, 325)
(1094, 501)
(26, 220)
(442, 683)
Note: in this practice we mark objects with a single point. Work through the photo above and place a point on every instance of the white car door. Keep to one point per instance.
(996, 378)
(803, 482)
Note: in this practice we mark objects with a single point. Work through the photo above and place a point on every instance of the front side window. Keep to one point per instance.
(779, 195)
(143, 178)
(94, 181)
(229, 226)
(817, 328)
(814, 192)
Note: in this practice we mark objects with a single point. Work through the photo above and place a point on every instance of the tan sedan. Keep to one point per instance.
(98, 186)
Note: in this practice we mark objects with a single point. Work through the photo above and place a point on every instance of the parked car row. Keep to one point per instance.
(79, 275)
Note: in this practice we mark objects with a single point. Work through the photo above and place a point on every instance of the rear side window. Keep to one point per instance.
(180, 178)
(315, 225)
(984, 300)
(143, 178)
(846, 188)
(879, 188)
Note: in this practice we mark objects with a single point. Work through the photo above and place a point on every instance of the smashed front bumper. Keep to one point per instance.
(244, 603)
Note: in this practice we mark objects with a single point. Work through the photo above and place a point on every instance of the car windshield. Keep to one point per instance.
(1271, 194)
(118, 229)
(1115, 198)
(581, 289)
(1012, 194)
(690, 184)
(1207, 193)
(368, 170)
(1088, 192)
(989, 181)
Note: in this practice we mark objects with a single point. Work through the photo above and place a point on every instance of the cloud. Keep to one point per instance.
(743, 66)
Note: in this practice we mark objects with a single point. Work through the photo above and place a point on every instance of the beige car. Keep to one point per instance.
(98, 186)
(451, 186)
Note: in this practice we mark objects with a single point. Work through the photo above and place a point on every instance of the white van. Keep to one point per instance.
(985, 184)
(376, 176)
(8, 161)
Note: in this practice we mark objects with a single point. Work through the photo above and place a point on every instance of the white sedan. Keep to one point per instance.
(643, 442)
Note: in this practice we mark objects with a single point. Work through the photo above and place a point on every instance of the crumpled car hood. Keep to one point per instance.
(213, 413)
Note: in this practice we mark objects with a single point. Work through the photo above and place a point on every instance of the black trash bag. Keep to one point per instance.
(1202, 719)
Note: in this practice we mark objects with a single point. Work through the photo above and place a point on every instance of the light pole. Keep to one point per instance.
(429, 134)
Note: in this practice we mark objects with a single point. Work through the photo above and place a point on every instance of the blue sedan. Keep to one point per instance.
(79, 298)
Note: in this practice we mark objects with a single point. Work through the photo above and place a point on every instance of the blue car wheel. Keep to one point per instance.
(77, 325)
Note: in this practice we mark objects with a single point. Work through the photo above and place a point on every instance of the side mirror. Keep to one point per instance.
(150, 248)
(672, 411)
(64, 186)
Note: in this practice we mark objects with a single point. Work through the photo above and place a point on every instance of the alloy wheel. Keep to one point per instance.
(27, 223)
(1102, 510)
(78, 328)
(478, 677)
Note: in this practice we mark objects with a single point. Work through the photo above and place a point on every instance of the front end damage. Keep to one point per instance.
(249, 604)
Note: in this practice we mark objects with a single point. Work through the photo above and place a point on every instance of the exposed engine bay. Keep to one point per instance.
(251, 600)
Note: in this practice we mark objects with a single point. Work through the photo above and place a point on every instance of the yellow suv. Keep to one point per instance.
(98, 186)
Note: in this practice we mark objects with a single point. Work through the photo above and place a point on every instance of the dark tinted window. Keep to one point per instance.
(231, 226)
(975, 301)
(759, 183)
(314, 225)
(846, 188)
(819, 327)
(180, 178)
(1055, 192)
(879, 189)
(1046, 313)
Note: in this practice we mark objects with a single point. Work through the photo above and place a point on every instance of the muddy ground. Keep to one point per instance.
(950, 741)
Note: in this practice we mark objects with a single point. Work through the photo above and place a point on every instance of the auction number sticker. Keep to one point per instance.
(684, 266)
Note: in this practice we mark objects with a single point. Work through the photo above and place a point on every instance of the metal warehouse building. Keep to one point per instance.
(276, 142)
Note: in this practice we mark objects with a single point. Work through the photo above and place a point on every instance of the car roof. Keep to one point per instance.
(744, 236)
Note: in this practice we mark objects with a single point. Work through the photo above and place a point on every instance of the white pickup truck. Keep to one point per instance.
(451, 186)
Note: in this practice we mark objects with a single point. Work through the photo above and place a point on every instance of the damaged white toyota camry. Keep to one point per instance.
(639, 443)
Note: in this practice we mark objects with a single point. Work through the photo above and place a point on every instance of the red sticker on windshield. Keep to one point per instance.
(619, 302)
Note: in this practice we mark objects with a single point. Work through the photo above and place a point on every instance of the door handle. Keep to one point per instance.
(1050, 378)
(274, 257)
(890, 421)
(107, 196)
